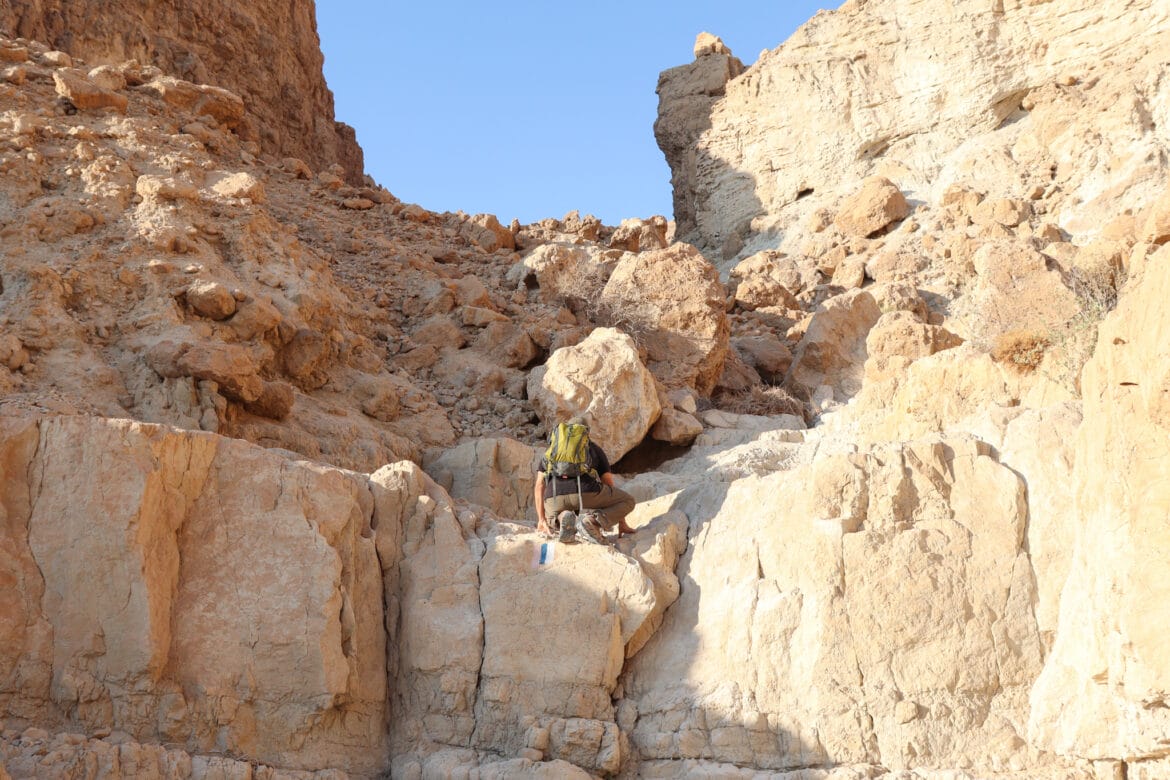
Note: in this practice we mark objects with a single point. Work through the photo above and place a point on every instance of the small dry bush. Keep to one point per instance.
(1022, 350)
(764, 400)
(636, 321)
(1073, 343)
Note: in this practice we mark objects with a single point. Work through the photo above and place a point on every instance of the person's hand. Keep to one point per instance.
(542, 527)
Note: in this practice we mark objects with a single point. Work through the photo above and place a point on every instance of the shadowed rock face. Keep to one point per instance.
(891, 88)
(267, 52)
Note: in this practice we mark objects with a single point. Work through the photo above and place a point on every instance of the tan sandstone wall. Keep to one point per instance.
(1105, 687)
(185, 588)
(268, 53)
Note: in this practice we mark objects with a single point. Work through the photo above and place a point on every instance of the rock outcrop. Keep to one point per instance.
(228, 600)
(294, 616)
(925, 95)
(268, 53)
(1105, 684)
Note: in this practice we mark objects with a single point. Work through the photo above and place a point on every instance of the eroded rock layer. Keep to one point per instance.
(267, 52)
(928, 94)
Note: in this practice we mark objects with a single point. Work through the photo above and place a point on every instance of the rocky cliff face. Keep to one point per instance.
(914, 90)
(267, 441)
(268, 53)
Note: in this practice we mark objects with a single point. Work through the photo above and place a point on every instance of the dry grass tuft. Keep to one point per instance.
(764, 400)
(1022, 350)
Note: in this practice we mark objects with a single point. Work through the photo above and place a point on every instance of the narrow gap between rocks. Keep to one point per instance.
(649, 455)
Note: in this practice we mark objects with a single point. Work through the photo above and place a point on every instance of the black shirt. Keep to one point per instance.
(596, 460)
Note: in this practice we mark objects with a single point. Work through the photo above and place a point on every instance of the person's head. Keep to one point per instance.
(577, 420)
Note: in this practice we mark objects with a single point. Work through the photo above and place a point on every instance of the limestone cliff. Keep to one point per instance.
(267, 52)
(904, 88)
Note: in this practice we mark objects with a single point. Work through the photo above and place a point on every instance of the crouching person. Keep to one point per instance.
(575, 487)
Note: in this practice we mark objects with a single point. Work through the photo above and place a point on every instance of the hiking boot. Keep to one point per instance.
(589, 528)
(568, 523)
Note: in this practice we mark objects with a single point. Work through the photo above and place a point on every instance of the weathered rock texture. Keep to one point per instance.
(266, 52)
(288, 614)
(193, 590)
(1105, 686)
(913, 90)
(917, 529)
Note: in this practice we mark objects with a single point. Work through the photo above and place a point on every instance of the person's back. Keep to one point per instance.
(576, 479)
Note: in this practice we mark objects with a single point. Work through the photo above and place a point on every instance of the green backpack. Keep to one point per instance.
(568, 452)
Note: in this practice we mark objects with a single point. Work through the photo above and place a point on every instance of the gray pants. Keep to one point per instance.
(613, 504)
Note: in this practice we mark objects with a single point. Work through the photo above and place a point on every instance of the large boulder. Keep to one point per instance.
(832, 351)
(83, 93)
(190, 589)
(228, 365)
(603, 380)
(878, 204)
(672, 301)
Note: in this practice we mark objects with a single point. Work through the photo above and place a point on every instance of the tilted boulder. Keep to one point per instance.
(673, 301)
(676, 427)
(603, 380)
(224, 106)
(832, 351)
(83, 93)
(878, 204)
(228, 365)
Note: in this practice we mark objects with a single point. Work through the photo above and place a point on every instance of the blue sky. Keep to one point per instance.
(526, 109)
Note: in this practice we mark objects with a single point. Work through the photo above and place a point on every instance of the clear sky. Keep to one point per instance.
(526, 109)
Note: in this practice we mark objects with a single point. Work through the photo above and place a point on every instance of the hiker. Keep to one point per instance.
(574, 484)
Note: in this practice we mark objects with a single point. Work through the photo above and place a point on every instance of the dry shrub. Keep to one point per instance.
(764, 400)
(1022, 350)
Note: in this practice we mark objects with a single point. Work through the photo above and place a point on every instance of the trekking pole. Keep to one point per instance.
(580, 496)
